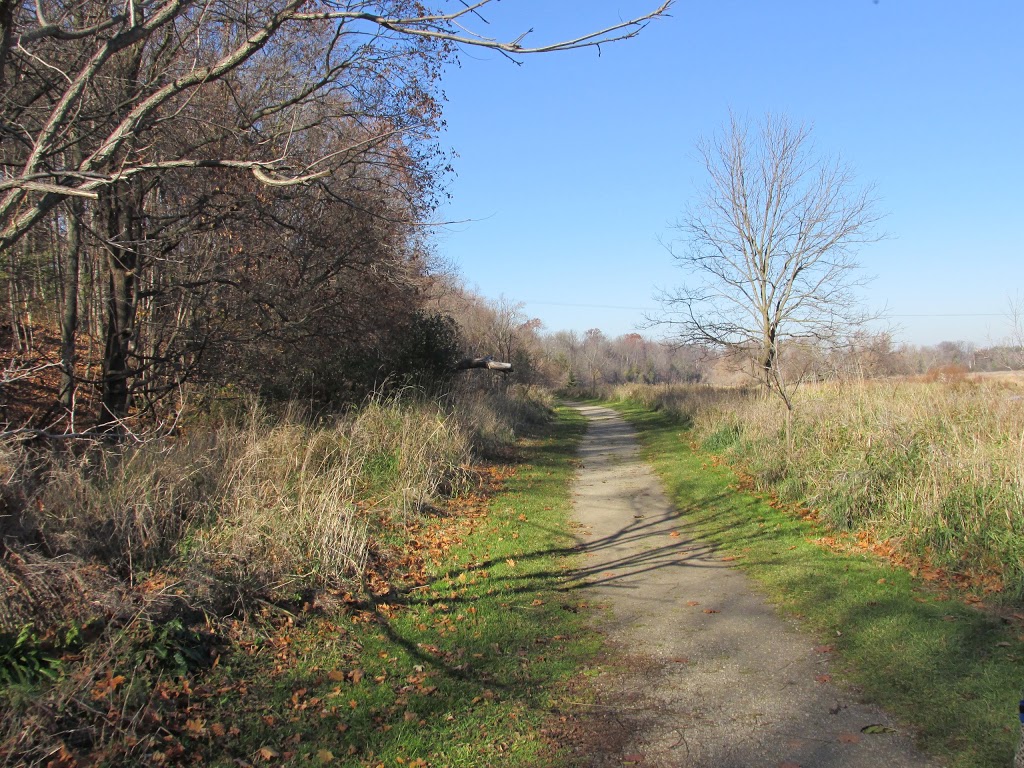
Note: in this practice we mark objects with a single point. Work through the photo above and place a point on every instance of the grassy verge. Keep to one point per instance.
(949, 669)
(455, 660)
(931, 470)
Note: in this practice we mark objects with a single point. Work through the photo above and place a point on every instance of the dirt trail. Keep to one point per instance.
(713, 676)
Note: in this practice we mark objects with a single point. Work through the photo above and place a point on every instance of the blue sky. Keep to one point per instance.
(570, 167)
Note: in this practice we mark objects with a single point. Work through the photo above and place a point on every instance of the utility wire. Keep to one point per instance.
(655, 309)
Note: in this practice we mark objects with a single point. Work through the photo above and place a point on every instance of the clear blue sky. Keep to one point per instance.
(571, 166)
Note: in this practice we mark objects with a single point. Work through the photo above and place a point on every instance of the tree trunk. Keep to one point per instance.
(483, 362)
(120, 209)
(69, 312)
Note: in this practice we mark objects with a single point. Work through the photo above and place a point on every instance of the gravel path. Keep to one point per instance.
(712, 676)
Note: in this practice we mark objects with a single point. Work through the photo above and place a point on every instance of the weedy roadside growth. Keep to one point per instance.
(949, 669)
(934, 469)
(148, 553)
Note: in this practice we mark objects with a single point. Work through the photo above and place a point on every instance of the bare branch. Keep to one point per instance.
(768, 248)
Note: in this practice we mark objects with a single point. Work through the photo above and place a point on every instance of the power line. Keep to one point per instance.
(655, 309)
(957, 314)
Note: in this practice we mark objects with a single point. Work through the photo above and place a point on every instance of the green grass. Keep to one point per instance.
(462, 670)
(935, 468)
(951, 671)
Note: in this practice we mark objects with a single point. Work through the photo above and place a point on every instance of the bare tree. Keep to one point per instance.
(768, 248)
(167, 52)
(146, 122)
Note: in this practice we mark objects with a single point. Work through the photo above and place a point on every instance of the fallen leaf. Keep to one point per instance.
(877, 728)
(356, 675)
(336, 676)
(632, 759)
(711, 610)
(823, 678)
(195, 727)
(848, 738)
(268, 754)
(674, 534)
(693, 602)
(325, 756)
(824, 648)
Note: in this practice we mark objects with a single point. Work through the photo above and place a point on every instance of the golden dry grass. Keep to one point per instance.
(935, 467)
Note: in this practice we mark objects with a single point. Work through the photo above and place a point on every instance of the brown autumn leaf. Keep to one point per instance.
(849, 738)
(218, 730)
(824, 648)
(711, 610)
(108, 685)
(355, 676)
(693, 602)
(336, 676)
(268, 754)
(325, 756)
(195, 726)
(510, 563)
(823, 678)
(674, 534)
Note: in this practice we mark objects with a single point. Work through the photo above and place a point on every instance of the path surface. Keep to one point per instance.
(713, 678)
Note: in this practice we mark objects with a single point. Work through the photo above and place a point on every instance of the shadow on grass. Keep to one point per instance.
(952, 671)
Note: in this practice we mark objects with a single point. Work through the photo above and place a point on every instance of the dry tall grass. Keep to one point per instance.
(257, 503)
(116, 547)
(935, 467)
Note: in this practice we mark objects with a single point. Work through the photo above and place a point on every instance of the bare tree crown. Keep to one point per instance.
(768, 246)
(57, 55)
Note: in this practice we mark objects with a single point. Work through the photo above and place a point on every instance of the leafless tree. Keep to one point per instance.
(146, 132)
(166, 52)
(768, 248)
